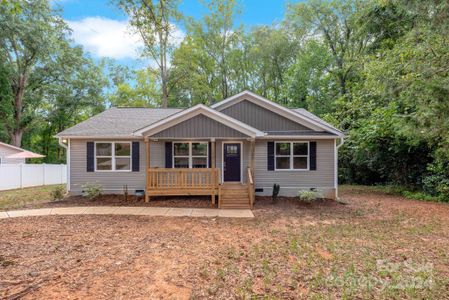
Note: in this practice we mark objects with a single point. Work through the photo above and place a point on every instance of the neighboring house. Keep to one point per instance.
(14, 155)
(236, 148)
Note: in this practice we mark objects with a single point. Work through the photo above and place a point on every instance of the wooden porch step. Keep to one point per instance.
(234, 196)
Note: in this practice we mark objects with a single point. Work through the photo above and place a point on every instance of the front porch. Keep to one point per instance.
(211, 181)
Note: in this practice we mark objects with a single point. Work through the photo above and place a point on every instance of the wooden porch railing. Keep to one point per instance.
(166, 181)
(251, 191)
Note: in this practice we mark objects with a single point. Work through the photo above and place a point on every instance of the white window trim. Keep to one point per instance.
(291, 156)
(113, 157)
(189, 156)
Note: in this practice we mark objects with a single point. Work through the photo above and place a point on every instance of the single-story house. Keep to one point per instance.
(10, 154)
(235, 149)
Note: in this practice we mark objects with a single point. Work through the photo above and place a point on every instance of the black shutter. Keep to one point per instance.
(135, 156)
(210, 154)
(312, 155)
(270, 156)
(90, 157)
(168, 154)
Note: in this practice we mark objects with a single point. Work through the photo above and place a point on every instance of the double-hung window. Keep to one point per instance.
(190, 154)
(292, 155)
(113, 156)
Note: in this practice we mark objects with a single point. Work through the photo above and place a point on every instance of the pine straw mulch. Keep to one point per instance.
(374, 246)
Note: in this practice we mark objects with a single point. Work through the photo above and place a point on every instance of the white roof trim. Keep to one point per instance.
(301, 137)
(194, 111)
(283, 111)
(13, 147)
(99, 137)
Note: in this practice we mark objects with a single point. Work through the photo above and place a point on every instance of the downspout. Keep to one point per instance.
(342, 141)
(67, 162)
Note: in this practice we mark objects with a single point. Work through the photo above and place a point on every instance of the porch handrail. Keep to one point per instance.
(250, 187)
(167, 178)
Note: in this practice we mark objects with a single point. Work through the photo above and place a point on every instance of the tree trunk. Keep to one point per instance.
(16, 137)
(17, 132)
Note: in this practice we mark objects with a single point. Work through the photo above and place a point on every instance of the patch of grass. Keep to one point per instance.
(13, 199)
(391, 190)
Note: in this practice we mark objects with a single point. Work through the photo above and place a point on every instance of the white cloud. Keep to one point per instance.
(104, 37)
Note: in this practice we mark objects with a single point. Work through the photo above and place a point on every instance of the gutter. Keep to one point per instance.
(61, 143)
(342, 141)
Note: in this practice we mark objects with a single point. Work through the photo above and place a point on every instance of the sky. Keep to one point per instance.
(102, 29)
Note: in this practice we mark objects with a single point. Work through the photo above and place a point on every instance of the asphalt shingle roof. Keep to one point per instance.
(118, 121)
(303, 112)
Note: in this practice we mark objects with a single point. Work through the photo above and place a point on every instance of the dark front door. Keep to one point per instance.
(231, 162)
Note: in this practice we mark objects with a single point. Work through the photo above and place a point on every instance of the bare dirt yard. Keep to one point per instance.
(374, 246)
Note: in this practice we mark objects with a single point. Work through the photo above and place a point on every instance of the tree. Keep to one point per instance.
(271, 53)
(308, 83)
(216, 35)
(154, 21)
(142, 92)
(29, 41)
(336, 24)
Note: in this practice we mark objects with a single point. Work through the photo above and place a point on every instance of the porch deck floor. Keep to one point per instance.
(126, 210)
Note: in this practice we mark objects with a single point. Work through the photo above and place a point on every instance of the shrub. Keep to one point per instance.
(58, 193)
(92, 191)
(308, 196)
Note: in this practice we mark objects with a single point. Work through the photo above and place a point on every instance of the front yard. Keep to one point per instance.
(375, 246)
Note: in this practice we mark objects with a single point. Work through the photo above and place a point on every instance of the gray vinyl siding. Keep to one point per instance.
(199, 126)
(261, 118)
(111, 182)
(6, 151)
(292, 181)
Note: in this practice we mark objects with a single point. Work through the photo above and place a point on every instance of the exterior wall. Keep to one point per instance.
(290, 181)
(323, 178)
(260, 117)
(199, 126)
(111, 182)
(6, 151)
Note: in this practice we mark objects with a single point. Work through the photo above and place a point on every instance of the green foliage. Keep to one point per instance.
(58, 193)
(92, 191)
(307, 196)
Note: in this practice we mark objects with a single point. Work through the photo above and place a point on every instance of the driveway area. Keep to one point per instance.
(375, 246)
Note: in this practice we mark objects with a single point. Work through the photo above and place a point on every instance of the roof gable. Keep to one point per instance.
(196, 110)
(262, 118)
(315, 124)
(200, 126)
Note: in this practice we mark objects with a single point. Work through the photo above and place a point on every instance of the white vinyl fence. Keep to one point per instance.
(15, 176)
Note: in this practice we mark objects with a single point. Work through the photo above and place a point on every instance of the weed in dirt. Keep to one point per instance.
(4, 262)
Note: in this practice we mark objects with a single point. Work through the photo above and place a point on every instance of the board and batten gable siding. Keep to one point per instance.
(111, 182)
(199, 127)
(291, 181)
(261, 118)
(6, 151)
